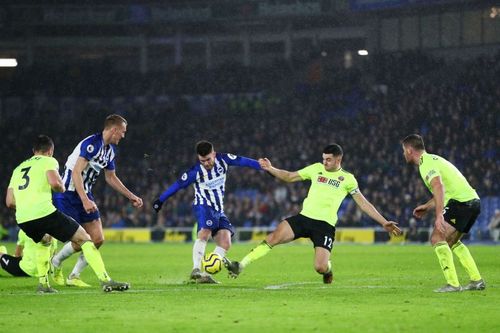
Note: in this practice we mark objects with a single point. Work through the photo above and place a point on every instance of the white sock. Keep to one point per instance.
(198, 252)
(66, 251)
(80, 265)
(220, 251)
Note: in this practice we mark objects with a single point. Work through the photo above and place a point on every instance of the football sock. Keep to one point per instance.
(94, 259)
(80, 265)
(42, 259)
(258, 252)
(329, 267)
(445, 257)
(220, 251)
(198, 252)
(66, 251)
(463, 254)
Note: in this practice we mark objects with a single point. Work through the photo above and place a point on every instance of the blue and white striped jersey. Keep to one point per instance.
(209, 185)
(100, 156)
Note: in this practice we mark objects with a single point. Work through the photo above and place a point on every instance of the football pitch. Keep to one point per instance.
(377, 288)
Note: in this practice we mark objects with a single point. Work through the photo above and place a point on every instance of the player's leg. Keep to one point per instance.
(42, 258)
(445, 258)
(64, 228)
(205, 222)
(322, 264)
(199, 247)
(465, 219)
(283, 234)
(94, 229)
(322, 235)
(222, 240)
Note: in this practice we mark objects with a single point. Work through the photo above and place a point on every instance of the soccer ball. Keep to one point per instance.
(212, 263)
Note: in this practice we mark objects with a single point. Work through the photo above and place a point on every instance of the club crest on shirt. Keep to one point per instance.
(209, 223)
(90, 149)
(341, 178)
(220, 169)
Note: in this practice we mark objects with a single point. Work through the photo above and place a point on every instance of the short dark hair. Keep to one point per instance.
(114, 120)
(203, 148)
(415, 141)
(42, 143)
(333, 149)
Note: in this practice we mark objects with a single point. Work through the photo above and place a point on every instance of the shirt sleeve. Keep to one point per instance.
(186, 179)
(352, 186)
(429, 170)
(88, 149)
(306, 172)
(241, 161)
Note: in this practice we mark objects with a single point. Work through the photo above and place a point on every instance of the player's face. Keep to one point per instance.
(407, 153)
(331, 163)
(118, 133)
(208, 161)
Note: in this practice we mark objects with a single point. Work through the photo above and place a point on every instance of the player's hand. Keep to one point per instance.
(392, 228)
(439, 224)
(420, 211)
(89, 206)
(265, 164)
(136, 201)
(157, 205)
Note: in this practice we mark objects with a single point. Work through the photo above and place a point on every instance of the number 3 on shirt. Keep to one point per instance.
(26, 178)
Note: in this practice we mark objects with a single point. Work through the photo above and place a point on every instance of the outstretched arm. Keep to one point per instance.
(370, 210)
(115, 182)
(186, 179)
(284, 175)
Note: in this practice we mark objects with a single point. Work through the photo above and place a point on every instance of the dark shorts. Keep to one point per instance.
(11, 265)
(209, 218)
(462, 215)
(321, 233)
(70, 204)
(58, 225)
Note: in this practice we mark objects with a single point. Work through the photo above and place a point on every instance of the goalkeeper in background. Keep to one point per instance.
(330, 184)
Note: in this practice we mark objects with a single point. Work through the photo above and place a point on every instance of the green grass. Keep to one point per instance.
(376, 289)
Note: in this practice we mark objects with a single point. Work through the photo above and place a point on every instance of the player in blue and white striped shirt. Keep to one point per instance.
(208, 177)
(92, 155)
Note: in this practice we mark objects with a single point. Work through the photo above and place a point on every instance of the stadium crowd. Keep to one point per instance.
(367, 110)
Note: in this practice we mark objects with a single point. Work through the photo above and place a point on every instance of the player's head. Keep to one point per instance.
(206, 154)
(413, 146)
(43, 145)
(332, 157)
(115, 127)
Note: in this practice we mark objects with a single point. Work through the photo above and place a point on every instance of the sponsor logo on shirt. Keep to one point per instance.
(328, 181)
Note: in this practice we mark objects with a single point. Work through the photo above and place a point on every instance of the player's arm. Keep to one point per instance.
(19, 251)
(115, 182)
(10, 200)
(76, 176)
(55, 181)
(421, 210)
(241, 161)
(438, 193)
(370, 210)
(284, 175)
(186, 179)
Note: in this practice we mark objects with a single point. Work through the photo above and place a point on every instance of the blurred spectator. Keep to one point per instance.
(494, 226)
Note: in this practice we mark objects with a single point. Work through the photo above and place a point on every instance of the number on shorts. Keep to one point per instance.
(328, 242)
